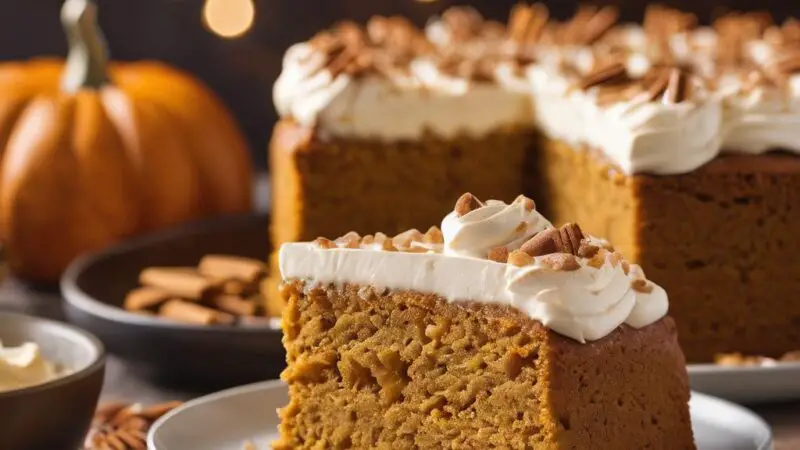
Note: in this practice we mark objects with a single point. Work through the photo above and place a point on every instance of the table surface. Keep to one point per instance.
(122, 385)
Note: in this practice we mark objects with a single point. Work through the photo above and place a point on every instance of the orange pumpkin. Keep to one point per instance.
(91, 154)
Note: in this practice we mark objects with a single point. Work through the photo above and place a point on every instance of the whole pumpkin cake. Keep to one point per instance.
(677, 142)
(499, 331)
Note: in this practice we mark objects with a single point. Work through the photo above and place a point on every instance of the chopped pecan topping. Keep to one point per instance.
(598, 24)
(751, 25)
(609, 72)
(404, 239)
(622, 92)
(433, 236)
(639, 282)
(397, 37)
(386, 42)
(679, 87)
(530, 205)
(787, 62)
(782, 66)
(662, 21)
(477, 67)
(598, 259)
(752, 78)
(735, 30)
(384, 242)
(325, 243)
(561, 261)
(586, 27)
(673, 84)
(787, 35)
(791, 30)
(656, 83)
(587, 250)
(626, 266)
(527, 23)
(467, 203)
(414, 249)
(478, 60)
(614, 259)
(464, 22)
(349, 240)
(498, 254)
(519, 258)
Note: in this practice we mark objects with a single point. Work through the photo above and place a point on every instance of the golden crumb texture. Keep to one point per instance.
(370, 368)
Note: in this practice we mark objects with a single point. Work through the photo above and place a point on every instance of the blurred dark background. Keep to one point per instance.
(242, 69)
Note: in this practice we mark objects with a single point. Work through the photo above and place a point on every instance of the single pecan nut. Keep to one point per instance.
(571, 237)
(467, 203)
(543, 243)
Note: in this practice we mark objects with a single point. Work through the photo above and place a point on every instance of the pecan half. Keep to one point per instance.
(466, 203)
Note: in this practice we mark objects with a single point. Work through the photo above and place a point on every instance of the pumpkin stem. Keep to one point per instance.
(88, 53)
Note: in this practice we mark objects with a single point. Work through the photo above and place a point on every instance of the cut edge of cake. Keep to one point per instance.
(499, 329)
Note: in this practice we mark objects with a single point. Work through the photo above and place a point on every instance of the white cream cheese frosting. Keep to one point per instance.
(760, 116)
(585, 303)
(401, 106)
(647, 136)
(24, 366)
(653, 136)
(494, 224)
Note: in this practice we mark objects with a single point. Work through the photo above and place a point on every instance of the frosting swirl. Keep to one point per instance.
(584, 300)
(587, 303)
(495, 224)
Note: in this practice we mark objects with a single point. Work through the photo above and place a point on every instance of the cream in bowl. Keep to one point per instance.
(51, 374)
(24, 366)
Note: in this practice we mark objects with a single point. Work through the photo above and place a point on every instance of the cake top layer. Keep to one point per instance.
(662, 97)
(494, 252)
(387, 80)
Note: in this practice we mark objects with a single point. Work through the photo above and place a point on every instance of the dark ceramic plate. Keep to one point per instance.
(95, 285)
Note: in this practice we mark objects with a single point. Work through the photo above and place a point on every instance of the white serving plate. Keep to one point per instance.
(227, 419)
(751, 385)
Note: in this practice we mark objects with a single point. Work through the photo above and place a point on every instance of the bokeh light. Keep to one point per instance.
(229, 18)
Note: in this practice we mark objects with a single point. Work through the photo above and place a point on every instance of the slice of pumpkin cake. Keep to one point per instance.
(499, 331)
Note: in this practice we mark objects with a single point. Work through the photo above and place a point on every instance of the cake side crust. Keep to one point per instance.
(630, 387)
